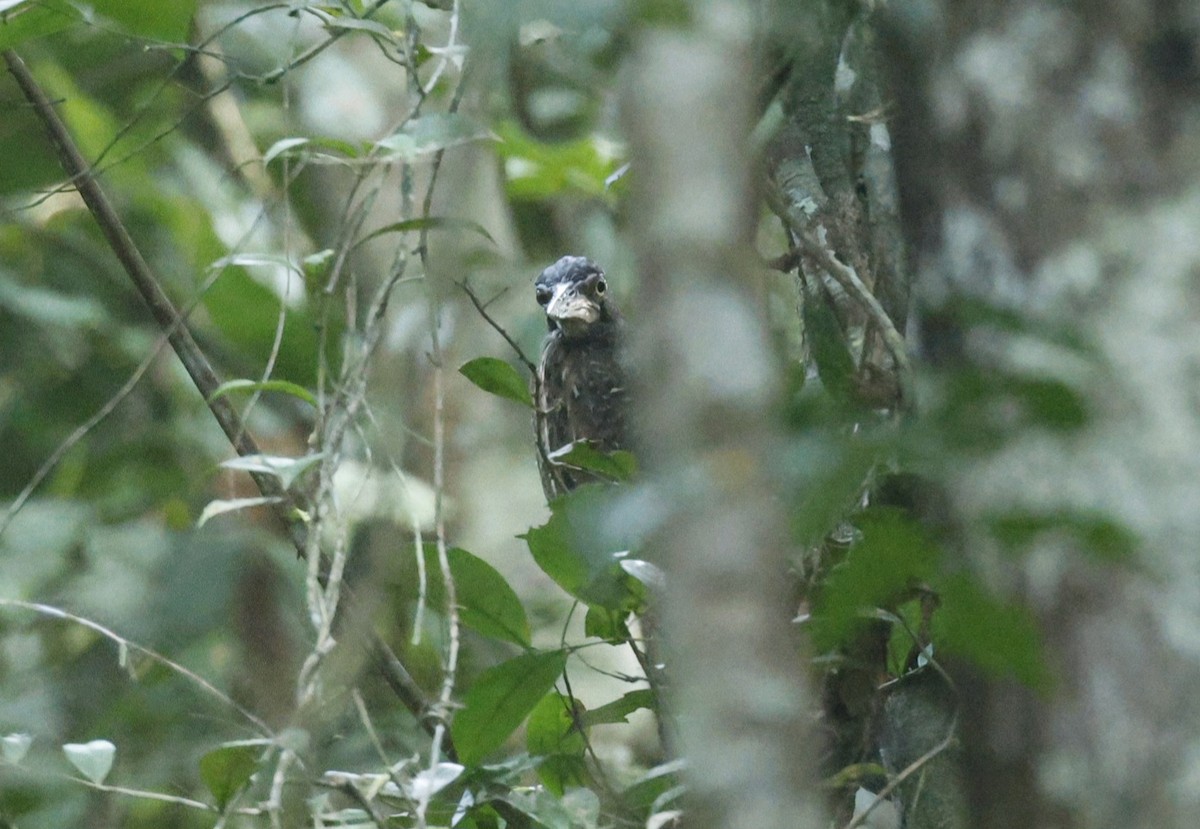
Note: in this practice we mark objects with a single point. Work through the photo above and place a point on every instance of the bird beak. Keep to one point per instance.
(570, 304)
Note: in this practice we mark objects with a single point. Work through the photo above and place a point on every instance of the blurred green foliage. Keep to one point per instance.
(255, 260)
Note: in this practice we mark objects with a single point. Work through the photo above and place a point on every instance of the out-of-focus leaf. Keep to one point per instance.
(219, 507)
(500, 700)
(34, 18)
(287, 470)
(244, 385)
(226, 770)
(291, 146)
(13, 747)
(94, 759)
(426, 135)
(892, 554)
(827, 341)
(1002, 639)
(619, 709)
(428, 223)
(567, 550)
(1095, 532)
(583, 454)
(247, 314)
(536, 170)
(150, 18)
(486, 602)
(651, 790)
(606, 623)
(498, 377)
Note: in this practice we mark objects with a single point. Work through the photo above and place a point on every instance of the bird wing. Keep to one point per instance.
(581, 395)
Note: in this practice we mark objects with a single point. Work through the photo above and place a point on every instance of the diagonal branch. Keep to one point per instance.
(164, 312)
(198, 368)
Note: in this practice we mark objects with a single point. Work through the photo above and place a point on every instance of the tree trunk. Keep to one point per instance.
(707, 429)
(1049, 170)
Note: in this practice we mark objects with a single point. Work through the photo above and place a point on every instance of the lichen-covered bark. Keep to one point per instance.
(707, 388)
(1049, 166)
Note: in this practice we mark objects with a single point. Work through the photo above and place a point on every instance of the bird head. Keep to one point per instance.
(573, 292)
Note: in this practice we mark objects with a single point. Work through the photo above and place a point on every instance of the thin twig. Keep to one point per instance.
(909, 771)
(848, 278)
(129, 645)
(499, 329)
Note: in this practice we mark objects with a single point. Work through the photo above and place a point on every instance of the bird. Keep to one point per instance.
(580, 388)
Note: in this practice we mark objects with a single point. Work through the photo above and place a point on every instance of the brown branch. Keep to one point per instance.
(848, 278)
(163, 311)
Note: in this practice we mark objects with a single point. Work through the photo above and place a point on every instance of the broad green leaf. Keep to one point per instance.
(552, 728)
(244, 385)
(552, 734)
(32, 19)
(227, 769)
(892, 554)
(583, 454)
(428, 223)
(94, 760)
(486, 602)
(498, 377)
(619, 709)
(430, 133)
(606, 623)
(1002, 639)
(576, 555)
(500, 700)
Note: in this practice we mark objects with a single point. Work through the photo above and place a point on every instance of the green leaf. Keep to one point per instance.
(619, 709)
(604, 623)
(294, 389)
(583, 454)
(33, 19)
(553, 736)
(536, 169)
(498, 377)
(429, 223)
(893, 553)
(552, 728)
(500, 700)
(430, 133)
(827, 341)
(227, 769)
(487, 604)
(1002, 639)
(1095, 532)
(578, 557)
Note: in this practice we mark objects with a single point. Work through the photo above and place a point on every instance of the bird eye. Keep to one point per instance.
(543, 294)
(601, 288)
